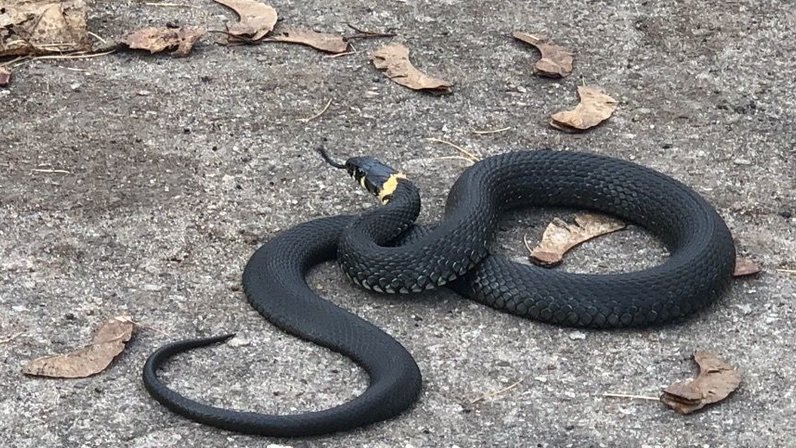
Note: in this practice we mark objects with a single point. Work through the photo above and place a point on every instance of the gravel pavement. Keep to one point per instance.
(174, 170)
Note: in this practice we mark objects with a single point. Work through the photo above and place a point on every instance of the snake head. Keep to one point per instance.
(377, 178)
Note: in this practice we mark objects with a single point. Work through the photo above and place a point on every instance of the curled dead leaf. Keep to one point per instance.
(42, 27)
(744, 267)
(107, 343)
(715, 381)
(156, 40)
(393, 60)
(560, 236)
(595, 107)
(330, 43)
(556, 61)
(256, 19)
(5, 76)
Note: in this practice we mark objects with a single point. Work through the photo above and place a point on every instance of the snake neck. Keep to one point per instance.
(383, 224)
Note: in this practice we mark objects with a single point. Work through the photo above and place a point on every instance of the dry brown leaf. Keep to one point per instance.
(744, 267)
(716, 380)
(5, 76)
(595, 107)
(330, 43)
(393, 59)
(560, 236)
(42, 27)
(107, 343)
(256, 19)
(556, 61)
(156, 40)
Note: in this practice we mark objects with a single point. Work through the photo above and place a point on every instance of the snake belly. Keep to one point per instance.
(454, 253)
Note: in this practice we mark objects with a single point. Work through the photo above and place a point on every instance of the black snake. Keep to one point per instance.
(454, 253)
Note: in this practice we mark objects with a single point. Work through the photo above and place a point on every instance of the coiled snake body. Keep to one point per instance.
(454, 253)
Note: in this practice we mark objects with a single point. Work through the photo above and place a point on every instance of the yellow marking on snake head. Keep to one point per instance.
(389, 186)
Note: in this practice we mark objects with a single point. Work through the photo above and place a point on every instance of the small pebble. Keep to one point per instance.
(577, 336)
(238, 341)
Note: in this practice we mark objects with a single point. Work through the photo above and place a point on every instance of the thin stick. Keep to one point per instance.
(787, 271)
(493, 394)
(236, 39)
(73, 69)
(49, 171)
(19, 59)
(635, 397)
(433, 159)
(75, 56)
(451, 158)
(347, 53)
(172, 5)
(472, 156)
(56, 45)
(364, 34)
(96, 36)
(10, 338)
(493, 131)
(527, 244)
(307, 120)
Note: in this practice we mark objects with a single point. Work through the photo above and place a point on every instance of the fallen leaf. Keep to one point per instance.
(393, 59)
(745, 266)
(330, 43)
(595, 107)
(42, 26)
(716, 380)
(5, 76)
(560, 236)
(556, 61)
(256, 19)
(156, 40)
(107, 343)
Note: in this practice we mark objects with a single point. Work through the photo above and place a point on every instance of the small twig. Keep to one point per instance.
(172, 5)
(236, 39)
(433, 159)
(17, 59)
(72, 69)
(493, 394)
(469, 154)
(451, 158)
(49, 171)
(527, 244)
(635, 397)
(307, 120)
(347, 53)
(96, 36)
(80, 55)
(56, 45)
(364, 34)
(493, 131)
(787, 271)
(10, 338)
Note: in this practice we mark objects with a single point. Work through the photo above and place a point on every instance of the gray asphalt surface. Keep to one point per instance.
(178, 168)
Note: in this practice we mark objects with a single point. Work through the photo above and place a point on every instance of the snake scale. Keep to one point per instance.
(383, 250)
